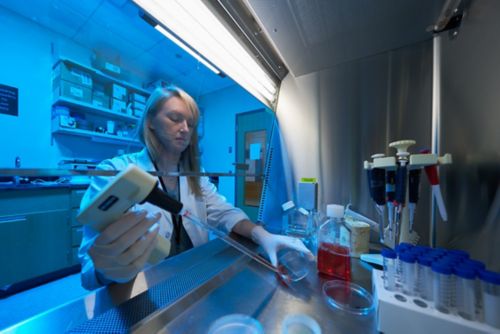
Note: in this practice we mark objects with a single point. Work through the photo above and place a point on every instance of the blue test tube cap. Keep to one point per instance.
(453, 259)
(459, 252)
(405, 245)
(389, 253)
(477, 265)
(442, 268)
(441, 250)
(490, 277)
(437, 252)
(464, 271)
(420, 249)
(425, 260)
(407, 257)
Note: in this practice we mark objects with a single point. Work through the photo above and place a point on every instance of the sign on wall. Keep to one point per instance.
(9, 103)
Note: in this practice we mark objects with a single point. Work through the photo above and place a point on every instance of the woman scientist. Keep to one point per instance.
(168, 131)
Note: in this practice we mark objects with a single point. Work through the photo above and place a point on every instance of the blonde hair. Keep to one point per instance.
(190, 157)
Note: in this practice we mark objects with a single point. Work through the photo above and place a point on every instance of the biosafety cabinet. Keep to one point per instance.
(290, 92)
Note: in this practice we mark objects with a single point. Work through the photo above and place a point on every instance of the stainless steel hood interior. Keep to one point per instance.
(314, 35)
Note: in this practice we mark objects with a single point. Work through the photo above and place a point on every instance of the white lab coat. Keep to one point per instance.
(211, 207)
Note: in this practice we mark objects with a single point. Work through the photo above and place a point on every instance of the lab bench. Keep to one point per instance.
(186, 293)
(38, 229)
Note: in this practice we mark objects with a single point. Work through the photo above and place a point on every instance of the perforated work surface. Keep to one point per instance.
(121, 318)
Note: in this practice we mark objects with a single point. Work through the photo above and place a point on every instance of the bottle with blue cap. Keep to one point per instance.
(390, 269)
(490, 283)
(465, 302)
(443, 286)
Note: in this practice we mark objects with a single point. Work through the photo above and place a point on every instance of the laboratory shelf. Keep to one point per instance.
(96, 136)
(85, 107)
(103, 76)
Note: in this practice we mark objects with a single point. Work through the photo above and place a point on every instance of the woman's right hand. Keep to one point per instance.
(121, 250)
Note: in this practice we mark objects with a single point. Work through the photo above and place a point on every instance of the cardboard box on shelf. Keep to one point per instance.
(73, 74)
(136, 97)
(137, 113)
(119, 92)
(118, 106)
(71, 90)
(100, 100)
(138, 106)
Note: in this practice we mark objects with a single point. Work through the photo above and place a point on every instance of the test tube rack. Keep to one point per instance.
(414, 161)
(399, 313)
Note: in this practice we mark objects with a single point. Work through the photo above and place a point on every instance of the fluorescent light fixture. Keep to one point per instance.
(186, 48)
(192, 22)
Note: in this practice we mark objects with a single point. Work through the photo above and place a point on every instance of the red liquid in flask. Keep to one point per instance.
(334, 260)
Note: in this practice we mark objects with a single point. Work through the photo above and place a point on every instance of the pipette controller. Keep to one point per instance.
(133, 186)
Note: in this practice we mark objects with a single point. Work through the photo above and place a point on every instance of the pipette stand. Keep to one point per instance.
(415, 161)
(399, 313)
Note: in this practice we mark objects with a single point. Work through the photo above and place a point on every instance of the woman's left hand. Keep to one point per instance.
(272, 243)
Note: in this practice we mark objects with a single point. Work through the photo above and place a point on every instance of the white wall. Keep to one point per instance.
(26, 62)
(218, 143)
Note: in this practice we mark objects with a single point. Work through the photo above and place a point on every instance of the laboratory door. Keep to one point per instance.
(253, 131)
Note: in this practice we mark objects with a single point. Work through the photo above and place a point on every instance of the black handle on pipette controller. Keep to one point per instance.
(160, 198)
(413, 185)
(400, 185)
(378, 185)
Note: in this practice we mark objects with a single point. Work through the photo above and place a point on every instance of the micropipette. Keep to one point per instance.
(400, 196)
(376, 179)
(413, 185)
(390, 189)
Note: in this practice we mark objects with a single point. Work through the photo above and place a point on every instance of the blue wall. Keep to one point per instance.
(28, 53)
(220, 109)
(26, 63)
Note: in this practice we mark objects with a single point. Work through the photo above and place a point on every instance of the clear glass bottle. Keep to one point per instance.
(301, 224)
(296, 221)
(333, 249)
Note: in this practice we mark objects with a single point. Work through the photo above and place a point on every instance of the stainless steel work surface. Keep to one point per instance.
(185, 294)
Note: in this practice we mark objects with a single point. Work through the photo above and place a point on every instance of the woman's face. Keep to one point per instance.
(173, 125)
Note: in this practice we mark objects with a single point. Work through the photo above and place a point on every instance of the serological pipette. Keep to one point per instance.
(176, 207)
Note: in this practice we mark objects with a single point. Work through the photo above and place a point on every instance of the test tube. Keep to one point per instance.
(443, 286)
(408, 273)
(390, 257)
(465, 292)
(477, 266)
(490, 283)
(424, 277)
(401, 248)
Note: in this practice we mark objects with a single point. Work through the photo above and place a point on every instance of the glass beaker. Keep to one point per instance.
(333, 250)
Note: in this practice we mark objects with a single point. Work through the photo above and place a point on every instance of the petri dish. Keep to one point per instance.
(293, 265)
(236, 324)
(348, 297)
(300, 324)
